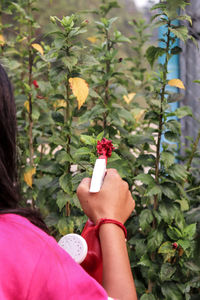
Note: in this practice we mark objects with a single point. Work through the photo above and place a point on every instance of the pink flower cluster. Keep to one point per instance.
(105, 147)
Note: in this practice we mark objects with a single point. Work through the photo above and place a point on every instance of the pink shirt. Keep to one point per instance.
(33, 266)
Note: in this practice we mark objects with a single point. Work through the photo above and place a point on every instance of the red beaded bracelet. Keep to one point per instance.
(111, 221)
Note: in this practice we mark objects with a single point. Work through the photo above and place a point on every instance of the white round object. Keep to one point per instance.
(75, 245)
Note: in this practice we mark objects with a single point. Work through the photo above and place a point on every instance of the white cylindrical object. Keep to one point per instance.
(75, 245)
(98, 175)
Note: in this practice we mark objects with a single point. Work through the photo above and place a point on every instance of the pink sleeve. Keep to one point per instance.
(57, 276)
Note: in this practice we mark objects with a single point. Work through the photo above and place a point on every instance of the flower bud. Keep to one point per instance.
(35, 84)
(175, 245)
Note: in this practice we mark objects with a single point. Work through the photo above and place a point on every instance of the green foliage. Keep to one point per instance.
(59, 140)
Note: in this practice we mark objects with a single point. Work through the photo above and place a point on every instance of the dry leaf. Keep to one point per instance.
(26, 105)
(129, 97)
(140, 115)
(59, 103)
(177, 83)
(80, 89)
(2, 40)
(38, 48)
(28, 176)
(92, 39)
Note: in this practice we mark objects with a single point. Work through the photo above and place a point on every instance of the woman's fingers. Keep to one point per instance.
(84, 186)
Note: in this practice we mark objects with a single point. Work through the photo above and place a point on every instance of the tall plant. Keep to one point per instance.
(164, 243)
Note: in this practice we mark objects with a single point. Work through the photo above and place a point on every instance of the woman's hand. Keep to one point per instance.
(114, 201)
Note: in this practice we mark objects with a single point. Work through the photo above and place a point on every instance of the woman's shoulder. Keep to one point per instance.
(15, 227)
(33, 257)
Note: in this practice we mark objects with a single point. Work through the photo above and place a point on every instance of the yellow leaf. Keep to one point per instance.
(92, 39)
(59, 103)
(80, 89)
(177, 83)
(28, 176)
(140, 115)
(26, 105)
(129, 97)
(2, 40)
(38, 48)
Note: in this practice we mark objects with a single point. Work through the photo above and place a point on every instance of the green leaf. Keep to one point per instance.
(171, 136)
(185, 18)
(147, 297)
(154, 240)
(65, 183)
(57, 117)
(145, 178)
(100, 136)
(166, 247)
(140, 247)
(82, 151)
(179, 220)
(176, 50)
(159, 6)
(177, 172)
(61, 199)
(196, 81)
(146, 160)
(153, 53)
(192, 266)
(62, 226)
(184, 244)
(183, 204)
(76, 201)
(65, 226)
(180, 32)
(56, 140)
(167, 158)
(183, 111)
(125, 114)
(174, 233)
(189, 231)
(167, 212)
(63, 157)
(166, 272)
(170, 291)
(69, 61)
(76, 179)
(145, 261)
(140, 139)
(169, 190)
(145, 219)
(155, 190)
(173, 126)
(88, 140)
(114, 157)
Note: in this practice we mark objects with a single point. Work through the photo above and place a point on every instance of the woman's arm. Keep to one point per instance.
(114, 201)
(117, 275)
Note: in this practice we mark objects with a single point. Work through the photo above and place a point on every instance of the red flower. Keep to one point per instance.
(105, 147)
(175, 245)
(35, 84)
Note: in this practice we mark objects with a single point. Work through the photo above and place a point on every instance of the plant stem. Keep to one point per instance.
(160, 126)
(194, 149)
(106, 98)
(30, 79)
(67, 120)
(158, 145)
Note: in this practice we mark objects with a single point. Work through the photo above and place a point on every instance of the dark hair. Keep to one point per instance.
(10, 197)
